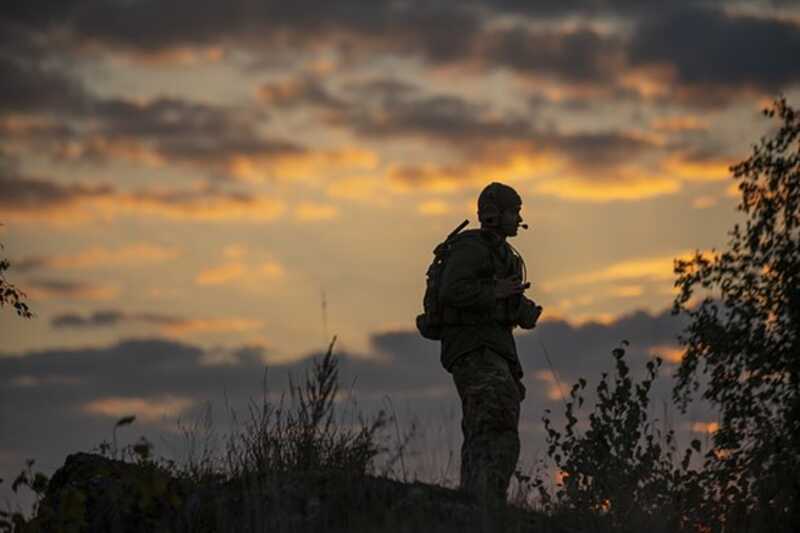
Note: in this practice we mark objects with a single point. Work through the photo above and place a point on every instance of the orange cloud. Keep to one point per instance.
(627, 183)
(236, 270)
(553, 392)
(235, 251)
(310, 212)
(544, 375)
(698, 170)
(732, 190)
(221, 274)
(272, 269)
(145, 409)
(371, 189)
(654, 268)
(669, 353)
(704, 427)
(434, 208)
(180, 56)
(627, 291)
(594, 318)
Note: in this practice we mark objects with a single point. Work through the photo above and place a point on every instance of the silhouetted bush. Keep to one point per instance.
(622, 473)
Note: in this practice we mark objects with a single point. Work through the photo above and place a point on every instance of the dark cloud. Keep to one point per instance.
(624, 8)
(37, 13)
(96, 319)
(73, 123)
(438, 30)
(29, 264)
(604, 149)
(34, 69)
(382, 89)
(30, 86)
(168, 117)
(76, 124)
(708, 46)
(581, 56)
(716, 51)
(440, 117)
(45, 288)
(114, 317)
(401, 362)
(49, 200)
(388, 109)
(19, 193)
(716, 56)
(180, 131)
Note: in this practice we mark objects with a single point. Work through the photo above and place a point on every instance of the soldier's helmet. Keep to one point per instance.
(493, 199)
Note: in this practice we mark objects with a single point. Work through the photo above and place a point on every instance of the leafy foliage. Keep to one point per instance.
(10, 294)
(744, 336)
(623, 472)
(35, 482)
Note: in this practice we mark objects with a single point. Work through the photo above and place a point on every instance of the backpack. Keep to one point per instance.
(431, 321)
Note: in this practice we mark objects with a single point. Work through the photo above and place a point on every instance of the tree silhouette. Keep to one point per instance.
(11, 295)
(743, 338)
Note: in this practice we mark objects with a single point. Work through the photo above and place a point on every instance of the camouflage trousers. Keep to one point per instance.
(490, 400)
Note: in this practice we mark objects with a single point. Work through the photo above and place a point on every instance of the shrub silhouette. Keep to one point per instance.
(622, 473)
(307, 438)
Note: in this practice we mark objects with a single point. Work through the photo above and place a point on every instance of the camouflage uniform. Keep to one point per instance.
(490, 399)
(478, 349)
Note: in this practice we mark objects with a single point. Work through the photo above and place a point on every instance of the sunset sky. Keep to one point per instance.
(189, 190)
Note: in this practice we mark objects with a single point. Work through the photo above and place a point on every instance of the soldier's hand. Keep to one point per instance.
(529, 313)
(505, 287)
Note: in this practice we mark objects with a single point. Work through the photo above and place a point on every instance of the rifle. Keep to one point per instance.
(458, 228)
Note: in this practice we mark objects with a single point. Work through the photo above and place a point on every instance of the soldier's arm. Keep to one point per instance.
(467, 281)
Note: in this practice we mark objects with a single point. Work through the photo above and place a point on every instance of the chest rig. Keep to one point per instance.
(503, 261)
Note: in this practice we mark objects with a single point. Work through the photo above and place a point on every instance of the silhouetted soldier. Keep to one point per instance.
(482, 288)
